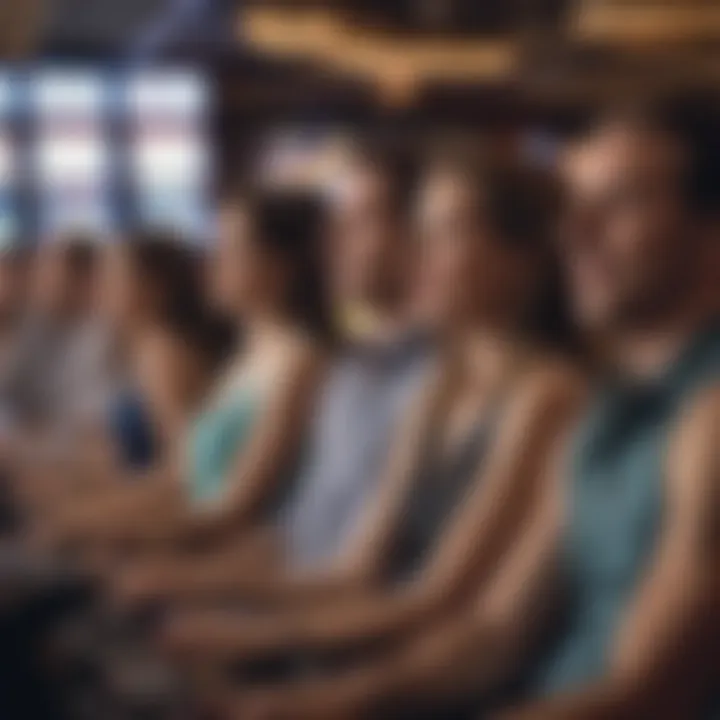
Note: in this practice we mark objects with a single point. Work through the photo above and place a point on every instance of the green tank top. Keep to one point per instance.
(616, 497)
(215, 440)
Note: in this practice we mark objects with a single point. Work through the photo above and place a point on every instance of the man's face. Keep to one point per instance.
(367, 250)
(626, 234)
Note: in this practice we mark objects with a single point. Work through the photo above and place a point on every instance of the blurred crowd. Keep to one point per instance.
(441, 443)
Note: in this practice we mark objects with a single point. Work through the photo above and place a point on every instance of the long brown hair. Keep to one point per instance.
(521, 203)
(290, 225)
(173, 268)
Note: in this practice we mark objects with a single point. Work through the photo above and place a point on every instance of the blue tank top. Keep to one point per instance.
(616, 497)
(133, 432)
(215, 440)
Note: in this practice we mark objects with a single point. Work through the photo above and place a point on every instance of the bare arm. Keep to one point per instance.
(268, 452)
(95, 492)
(667, 645)
(505, 492)
(257, 467)
(467, 653)
(355, 569)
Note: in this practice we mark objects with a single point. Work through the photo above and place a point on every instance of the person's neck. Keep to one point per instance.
(645, 349)
(136, 331)
(486, 357)
(382, 322)
(263, 330)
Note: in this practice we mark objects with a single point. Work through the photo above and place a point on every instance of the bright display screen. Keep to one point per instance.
(103, 152)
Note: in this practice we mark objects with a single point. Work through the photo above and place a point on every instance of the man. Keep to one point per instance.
(628, 534)
(63, 376)
(370, 257)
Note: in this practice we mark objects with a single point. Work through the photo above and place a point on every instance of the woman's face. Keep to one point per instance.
(242, 276)
(125, 298)
(465, 273)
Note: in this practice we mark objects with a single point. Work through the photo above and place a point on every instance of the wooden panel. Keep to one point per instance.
(647, 21)
(397, 64)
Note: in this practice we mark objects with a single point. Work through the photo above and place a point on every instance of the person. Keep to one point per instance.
(63, 373)
(461, 476)
(241, 446)
(56, 383)
(377, 366)
(172, 346)
(643, 634)
(370, 379)
(626, 532)
(154, 295)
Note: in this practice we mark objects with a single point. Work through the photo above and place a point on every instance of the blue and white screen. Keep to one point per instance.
(103, 152)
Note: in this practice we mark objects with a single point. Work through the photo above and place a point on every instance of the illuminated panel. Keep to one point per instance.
(72, 156)
(169, 153)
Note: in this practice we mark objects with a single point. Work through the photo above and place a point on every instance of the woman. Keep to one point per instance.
(170, 346)
(174, 345)
(466, 471)
(232, 460)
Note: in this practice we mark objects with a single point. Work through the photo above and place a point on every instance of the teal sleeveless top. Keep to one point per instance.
(615, 510)
(215, 440)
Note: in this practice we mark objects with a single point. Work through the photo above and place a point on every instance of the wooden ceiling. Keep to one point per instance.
(600, 44)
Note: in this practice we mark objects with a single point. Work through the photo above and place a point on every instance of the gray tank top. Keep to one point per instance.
(443, 481)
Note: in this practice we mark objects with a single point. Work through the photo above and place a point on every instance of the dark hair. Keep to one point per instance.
(290, 225)
(520, 204)
(80, 254)
(168, 264)
(689, 117)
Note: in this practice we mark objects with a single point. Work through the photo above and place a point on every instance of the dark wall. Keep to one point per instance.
(142, 28)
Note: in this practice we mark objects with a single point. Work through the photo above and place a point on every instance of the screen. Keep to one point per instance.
(102, 152)
(169, 158)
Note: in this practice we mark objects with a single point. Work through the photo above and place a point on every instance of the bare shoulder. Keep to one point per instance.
(696, 439)
(304, 358)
